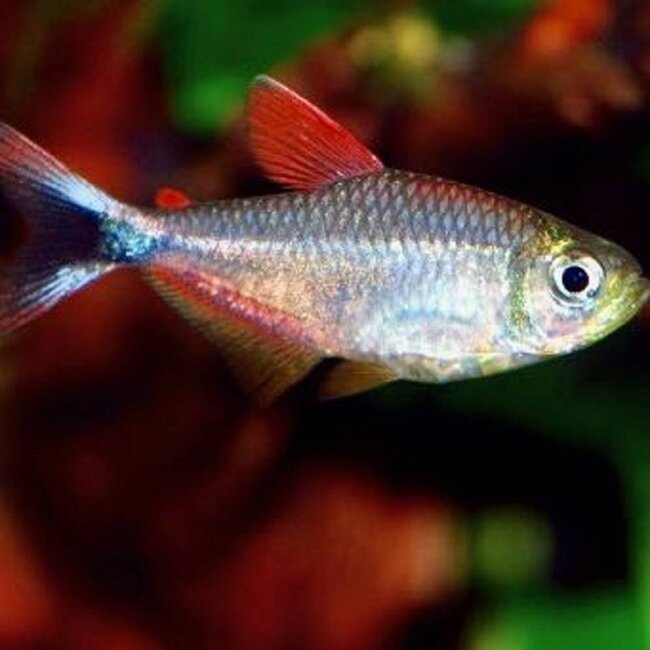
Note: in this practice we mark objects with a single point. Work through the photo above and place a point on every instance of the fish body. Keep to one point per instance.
(390, 267)
(402, 275)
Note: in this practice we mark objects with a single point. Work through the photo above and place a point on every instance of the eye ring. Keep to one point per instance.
(577, 278)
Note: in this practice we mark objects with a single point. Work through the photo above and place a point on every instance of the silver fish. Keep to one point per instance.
(398, 274)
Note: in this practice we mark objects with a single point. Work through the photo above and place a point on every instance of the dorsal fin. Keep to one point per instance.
(298, 145)
(169, 198)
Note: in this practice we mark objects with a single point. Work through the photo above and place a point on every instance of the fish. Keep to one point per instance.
(392, 274)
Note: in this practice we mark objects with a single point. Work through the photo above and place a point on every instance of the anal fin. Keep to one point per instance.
(265, 350)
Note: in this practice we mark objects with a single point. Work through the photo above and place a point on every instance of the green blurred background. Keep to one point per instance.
(144, 505)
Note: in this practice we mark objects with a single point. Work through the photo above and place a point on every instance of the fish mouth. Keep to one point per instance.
(635, 294)
(645, 290)
(640, 291)
(631, 294)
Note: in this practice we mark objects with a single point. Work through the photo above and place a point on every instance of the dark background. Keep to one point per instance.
(143, 505)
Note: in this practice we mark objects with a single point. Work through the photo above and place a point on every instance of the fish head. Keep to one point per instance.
(571, 288)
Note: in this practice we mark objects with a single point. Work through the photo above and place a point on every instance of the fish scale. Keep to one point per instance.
(396, 274)
(378, 246)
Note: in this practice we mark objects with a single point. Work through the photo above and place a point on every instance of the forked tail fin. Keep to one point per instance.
(55, 215)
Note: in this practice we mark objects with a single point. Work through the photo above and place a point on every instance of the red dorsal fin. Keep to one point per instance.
(170, 198)
(299, 146)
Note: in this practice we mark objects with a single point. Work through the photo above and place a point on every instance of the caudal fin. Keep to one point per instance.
(56, 215)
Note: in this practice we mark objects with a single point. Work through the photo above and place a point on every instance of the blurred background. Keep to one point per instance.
(144, 506)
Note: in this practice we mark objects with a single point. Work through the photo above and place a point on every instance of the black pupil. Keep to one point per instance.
(575, 279)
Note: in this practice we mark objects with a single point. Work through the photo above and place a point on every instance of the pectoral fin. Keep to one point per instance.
(255, 344)
(351, 377)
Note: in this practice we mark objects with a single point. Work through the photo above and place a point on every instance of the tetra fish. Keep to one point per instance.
(399, 275)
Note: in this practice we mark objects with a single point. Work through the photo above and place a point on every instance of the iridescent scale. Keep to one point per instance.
(393, 267)
(399, 274)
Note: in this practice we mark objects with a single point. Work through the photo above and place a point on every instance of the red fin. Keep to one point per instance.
(299, 146)
(265, 350)
(170, 198)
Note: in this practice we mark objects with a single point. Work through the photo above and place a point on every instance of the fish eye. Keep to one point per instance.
(576, 277)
